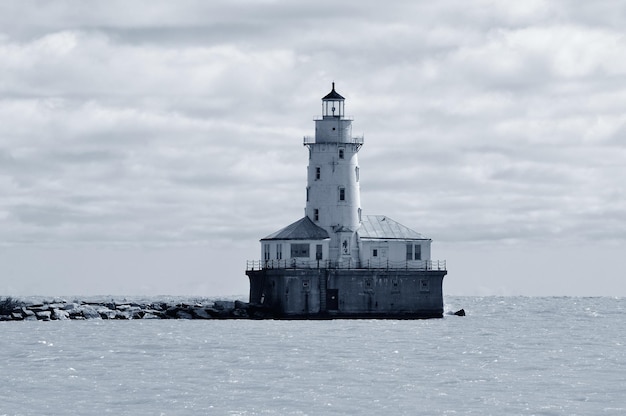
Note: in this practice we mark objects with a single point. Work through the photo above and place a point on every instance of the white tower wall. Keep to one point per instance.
(333, 194)
(336, 175)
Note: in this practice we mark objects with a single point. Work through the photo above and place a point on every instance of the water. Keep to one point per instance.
(510, 355)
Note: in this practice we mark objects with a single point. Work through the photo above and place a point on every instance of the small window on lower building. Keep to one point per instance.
(299, 250)
(409, 251)
(279, 251)
(418, 252)
(266, 251)
(424, 285)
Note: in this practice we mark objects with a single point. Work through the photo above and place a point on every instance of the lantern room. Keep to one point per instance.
(333, 104)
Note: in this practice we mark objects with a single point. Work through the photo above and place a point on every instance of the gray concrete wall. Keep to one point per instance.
(360, 293)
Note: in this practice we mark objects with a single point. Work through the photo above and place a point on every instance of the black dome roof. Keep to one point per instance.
(333, 95)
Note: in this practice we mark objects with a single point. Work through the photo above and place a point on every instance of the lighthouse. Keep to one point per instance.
(336, 262)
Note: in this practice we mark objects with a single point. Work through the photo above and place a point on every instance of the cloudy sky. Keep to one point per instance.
(146, 146)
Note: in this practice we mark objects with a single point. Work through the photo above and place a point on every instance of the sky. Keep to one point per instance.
(147, 146)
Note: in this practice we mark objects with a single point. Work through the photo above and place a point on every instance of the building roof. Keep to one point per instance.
(333, 95)
(380, 227)
(303, 229)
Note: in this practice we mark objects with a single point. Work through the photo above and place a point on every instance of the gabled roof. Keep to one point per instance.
(380, 227)
(333, 95)
(303, 229)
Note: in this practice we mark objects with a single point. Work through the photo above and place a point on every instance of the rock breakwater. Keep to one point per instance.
(81, 310)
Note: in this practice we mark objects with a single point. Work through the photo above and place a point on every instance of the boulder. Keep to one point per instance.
(43, 315)
(240, 313)
(60, 314)
(180, 314)
(224, 305)
(241, 305)
(460, 312)
(89, 312)
(136, 312)
(172, 311)
(124, 315)
(106, 313)
(200, 313)
(154, 314)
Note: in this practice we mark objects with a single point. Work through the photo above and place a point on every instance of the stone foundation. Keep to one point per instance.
(353, 293)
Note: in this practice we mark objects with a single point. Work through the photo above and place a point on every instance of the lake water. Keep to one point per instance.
(509, 355)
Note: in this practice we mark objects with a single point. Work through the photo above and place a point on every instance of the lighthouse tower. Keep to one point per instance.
(333, 200)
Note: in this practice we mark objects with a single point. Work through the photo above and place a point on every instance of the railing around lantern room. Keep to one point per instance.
(354, 140)
(296, 263)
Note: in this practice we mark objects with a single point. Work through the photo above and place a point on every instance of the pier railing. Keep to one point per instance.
(295, 263)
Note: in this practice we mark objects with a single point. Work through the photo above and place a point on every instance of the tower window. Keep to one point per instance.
(418, 252)
(279, 251)
(316, 214)
(308, 191)
(356, 172)
(409, 251)
(374, 252)
(266, 252)
(341, 153)
(342, 194)
(318, 173)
